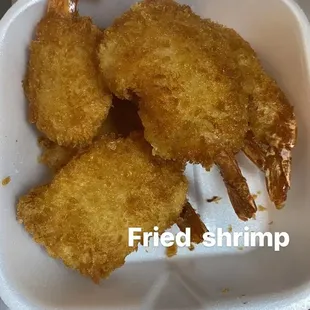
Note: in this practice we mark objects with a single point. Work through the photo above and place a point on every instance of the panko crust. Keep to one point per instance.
(83, 216)
(193, 102)
(271, 114)
(67, 100)
(53, 155)
(122, 120)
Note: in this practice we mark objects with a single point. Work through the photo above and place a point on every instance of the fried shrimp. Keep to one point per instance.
(83, 216)
(184, 78)
(193, 101)
(273, 126)
(68, 102)
(203, 95)
(53, 155)
(122, 120)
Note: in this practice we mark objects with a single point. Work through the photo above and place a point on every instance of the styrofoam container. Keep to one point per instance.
(215, 278)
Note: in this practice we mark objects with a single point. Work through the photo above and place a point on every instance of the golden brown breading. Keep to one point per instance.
(193, 102)
(273, 125)
(271, 115)
(56, 156)
(122, 120)
(67, 100)
(83, 216)
(53, 155)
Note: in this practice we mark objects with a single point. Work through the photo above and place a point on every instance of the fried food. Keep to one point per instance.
(68, 101)
(83, 216)
(122, 120)
(237, 187)
(190, 219)
(193, 100)
(56, 156)
(273, 126)
(191, 104)
(53, 155)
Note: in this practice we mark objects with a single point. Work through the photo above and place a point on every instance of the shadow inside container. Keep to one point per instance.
(4, 6)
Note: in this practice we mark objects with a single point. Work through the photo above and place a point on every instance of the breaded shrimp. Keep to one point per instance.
(122, 120)
(68, 102)
(273, 126)
(191, 104)
(83, 216)
(193, 101)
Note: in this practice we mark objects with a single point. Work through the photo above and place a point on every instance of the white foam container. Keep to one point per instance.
(257, 278)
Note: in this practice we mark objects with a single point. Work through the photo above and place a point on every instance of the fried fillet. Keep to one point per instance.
(68, 102)
(83, 216)
(193, 102)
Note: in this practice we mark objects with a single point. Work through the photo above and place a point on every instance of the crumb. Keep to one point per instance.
(230, 228)
(215, 199)
(172, 250)
(245, 302)
(225, 290)
(6, 181)
(254, 196)
(261, 208)
(191, 247)
(243, 295)
(146, 250)
(183, 239)
(270, 223)
(254, 217)
(259, 192)
(280, 207)
(240, 248)
(16, 140)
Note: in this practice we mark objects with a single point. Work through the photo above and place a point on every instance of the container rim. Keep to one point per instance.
(9, 298)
